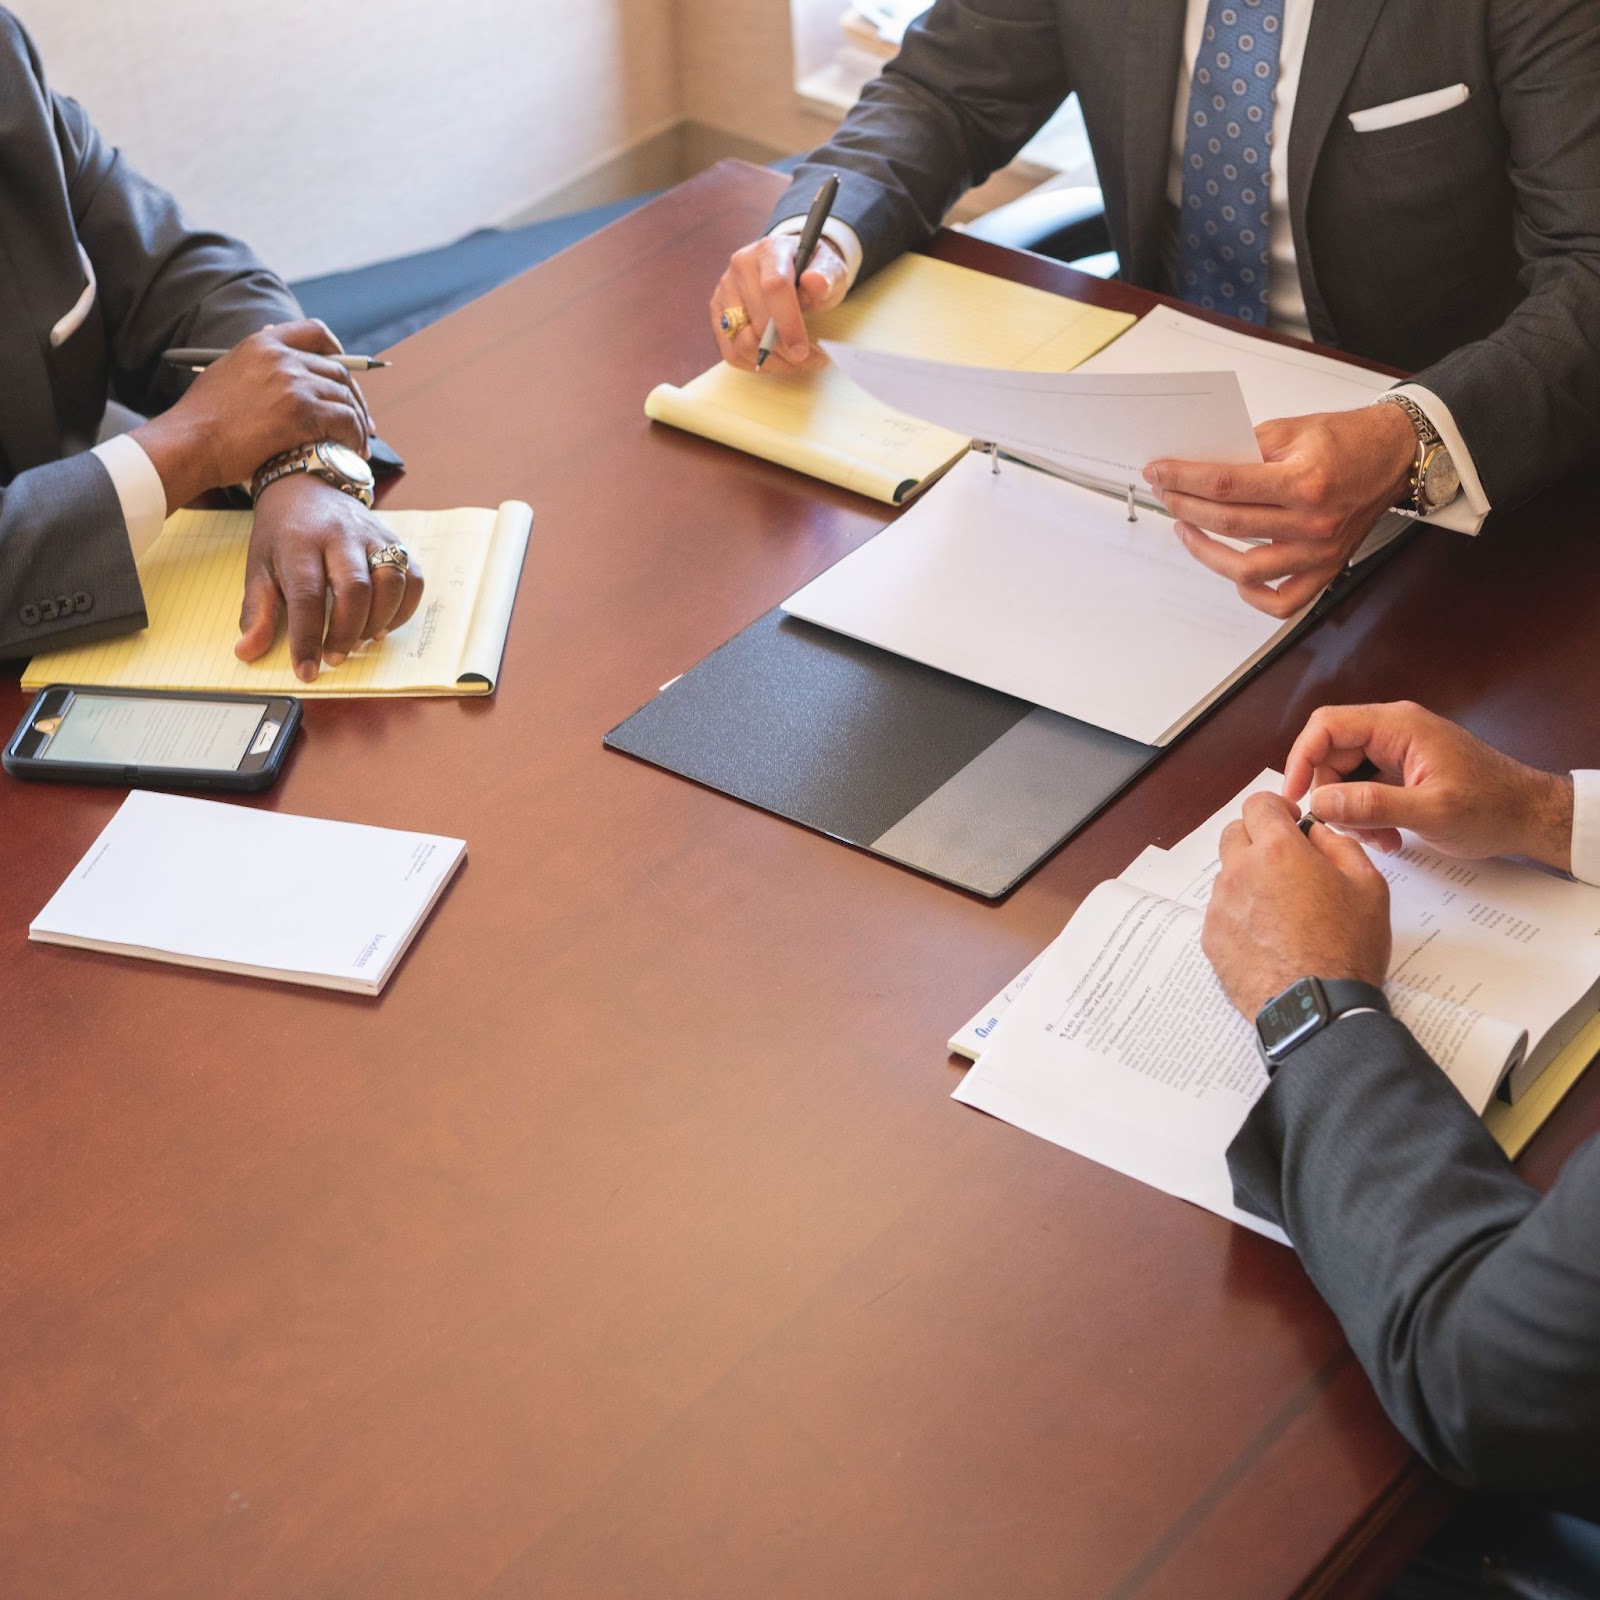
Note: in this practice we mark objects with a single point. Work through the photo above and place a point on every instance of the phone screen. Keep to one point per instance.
(202, 735)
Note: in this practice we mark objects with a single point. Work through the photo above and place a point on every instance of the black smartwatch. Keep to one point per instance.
(1307, 1007)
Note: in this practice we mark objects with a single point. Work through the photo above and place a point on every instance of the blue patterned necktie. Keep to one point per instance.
(1223, 226)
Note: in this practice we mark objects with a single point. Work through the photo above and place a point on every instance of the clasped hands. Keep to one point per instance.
(271, 393)
(1289, 905)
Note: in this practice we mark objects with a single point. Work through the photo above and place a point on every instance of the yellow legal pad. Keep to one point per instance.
(1514, 1125)
(193, 578)
(822, 424)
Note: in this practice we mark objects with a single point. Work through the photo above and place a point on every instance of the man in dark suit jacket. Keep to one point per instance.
(1433, 206)
(99, 273)
(1472, 1301)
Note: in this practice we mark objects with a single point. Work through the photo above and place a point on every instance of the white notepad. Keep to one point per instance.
(237, 889)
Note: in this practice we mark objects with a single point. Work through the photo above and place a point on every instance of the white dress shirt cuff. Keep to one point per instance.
(840, 235)
(1466, 512)
(1586, 826)
(139, 489)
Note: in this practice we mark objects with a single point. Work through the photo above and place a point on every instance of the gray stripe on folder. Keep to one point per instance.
(1024, 793)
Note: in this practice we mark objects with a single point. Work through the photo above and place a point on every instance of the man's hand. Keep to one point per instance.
(760, 278)
(1463, 797)
(1325, 481)
(1287, 907)
(309, 538)
(270, 393)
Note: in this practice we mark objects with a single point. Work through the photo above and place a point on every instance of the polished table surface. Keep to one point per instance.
(630, 1243)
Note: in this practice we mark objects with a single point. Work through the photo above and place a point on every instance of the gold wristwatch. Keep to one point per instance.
(333, 463)
(1435, 480)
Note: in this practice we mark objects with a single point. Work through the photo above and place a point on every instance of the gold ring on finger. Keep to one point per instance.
(389, 555)
(734, 321)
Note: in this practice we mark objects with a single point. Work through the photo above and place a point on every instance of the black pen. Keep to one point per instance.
(809, 235)
(198, 360)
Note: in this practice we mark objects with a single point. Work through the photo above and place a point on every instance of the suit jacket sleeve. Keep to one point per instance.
(974, 81)
(1527, 397)
(66, 573)
(162, 282)
(1472, 1302)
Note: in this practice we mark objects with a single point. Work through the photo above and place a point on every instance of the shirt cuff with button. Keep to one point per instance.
(140, 492)
(1466, 512)
(840, 235)
(1586, 826)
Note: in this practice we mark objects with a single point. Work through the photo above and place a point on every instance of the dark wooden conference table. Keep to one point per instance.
(630, 1244)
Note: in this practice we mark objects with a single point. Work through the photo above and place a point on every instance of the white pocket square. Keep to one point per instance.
(1412, 109)
(81, 307)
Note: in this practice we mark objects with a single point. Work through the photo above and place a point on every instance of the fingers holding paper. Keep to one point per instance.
(759, 282)
(1323, 482)
(1280, 577)
(309, 559)
(1287, 906)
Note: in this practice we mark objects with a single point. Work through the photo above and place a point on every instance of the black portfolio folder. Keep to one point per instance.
(960, 782)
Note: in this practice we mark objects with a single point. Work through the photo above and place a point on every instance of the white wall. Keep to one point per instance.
(332, 134)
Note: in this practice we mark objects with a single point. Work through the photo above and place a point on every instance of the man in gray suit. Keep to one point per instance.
(99, 274)
(1409, 181)
(1472, 1301)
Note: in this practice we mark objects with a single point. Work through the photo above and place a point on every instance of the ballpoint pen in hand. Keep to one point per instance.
(197, 360)
(809, 235)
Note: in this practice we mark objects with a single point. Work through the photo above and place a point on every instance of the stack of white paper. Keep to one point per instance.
(236, 889)
(1118, 1042)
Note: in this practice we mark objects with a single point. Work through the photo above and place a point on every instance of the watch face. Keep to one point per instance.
(1296, 1014)
(346, 463)
(1440, 480)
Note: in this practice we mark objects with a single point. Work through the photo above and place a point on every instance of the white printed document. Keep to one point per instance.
(238, 889)
(1044, 589)
(1118, 1042)
(1276, 380)
(1103, 428)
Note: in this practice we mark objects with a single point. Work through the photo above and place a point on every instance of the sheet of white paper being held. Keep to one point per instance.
(1103, 428)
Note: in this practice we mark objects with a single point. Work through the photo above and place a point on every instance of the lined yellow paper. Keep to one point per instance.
(822, 424)
(1513, 1126)
(193, 578)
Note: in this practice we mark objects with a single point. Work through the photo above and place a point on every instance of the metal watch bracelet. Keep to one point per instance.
(312, 459)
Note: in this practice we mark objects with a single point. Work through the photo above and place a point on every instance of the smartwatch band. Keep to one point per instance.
(1311, 1005)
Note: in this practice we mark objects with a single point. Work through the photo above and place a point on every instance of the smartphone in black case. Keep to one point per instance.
(153, 738)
